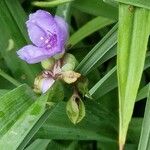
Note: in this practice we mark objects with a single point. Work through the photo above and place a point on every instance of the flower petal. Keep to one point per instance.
(36, 34)
(63, 29)
(46, 84)
(44, 20)
(32, 54)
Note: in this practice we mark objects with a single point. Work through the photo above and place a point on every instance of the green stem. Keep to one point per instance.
(9, 78)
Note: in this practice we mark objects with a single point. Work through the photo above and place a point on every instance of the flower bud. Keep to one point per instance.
(70, 76)
(69, 62)
(48, 63)
(75, 109)
(82, 86)
(58, 56)
(41, 84)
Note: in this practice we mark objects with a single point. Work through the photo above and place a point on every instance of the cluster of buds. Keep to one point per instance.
(55, 69)
(63, 69)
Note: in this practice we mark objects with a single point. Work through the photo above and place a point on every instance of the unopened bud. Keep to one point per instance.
(82, 86)
(48, 63)
(58, 56)
(70, 76)
(75, 109)
(41, 84)
(69, 62)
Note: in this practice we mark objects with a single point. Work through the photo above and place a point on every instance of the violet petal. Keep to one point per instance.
(46, 84)
(63, 29)
(36, 34)
(32, 54)
(44, 20)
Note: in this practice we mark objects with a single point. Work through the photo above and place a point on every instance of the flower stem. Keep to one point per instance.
(9, 78)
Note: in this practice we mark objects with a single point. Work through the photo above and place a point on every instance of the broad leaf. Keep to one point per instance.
(21, 116)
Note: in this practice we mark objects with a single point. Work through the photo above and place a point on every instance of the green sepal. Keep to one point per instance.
(82, 86)
(75, 109)
(69, 62)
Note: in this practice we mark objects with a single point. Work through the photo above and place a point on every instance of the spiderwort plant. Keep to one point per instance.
(49, 35)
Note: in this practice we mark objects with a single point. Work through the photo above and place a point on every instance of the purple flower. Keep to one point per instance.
(48, 34)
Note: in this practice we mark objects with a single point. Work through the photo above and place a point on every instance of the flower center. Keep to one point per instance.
(50, 41)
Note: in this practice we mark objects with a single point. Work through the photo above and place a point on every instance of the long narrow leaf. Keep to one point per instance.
(109, 82)
(132, 45)
(50, 3)
(96, 55)
(145, 133)
(12, 20)
(92, 26)
(97, 8)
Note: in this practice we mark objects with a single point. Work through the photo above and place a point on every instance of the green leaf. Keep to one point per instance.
(19, 17)
(131, 147)
(52, 3)
(12, 18)
(54, 96)
(3, 91)
(132, 45)
(41, 144)
(62, 145)
(104, 85)
(145, 133)
(58, 126)
(18, 123)
(89, 28)
(35, 128)
(104, 50)
(21, 117)
(13, 104)
(111, 2)
(9, 78)
(134, 130)
(56, 92)
(143, 93)
(138, 3)
(97, 8)
(64, 11)
(109, 82)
